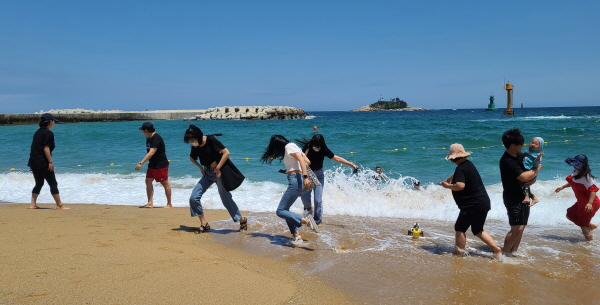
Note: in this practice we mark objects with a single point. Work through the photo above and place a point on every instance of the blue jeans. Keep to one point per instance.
(294, 190)
(207, 180)
(318, 212)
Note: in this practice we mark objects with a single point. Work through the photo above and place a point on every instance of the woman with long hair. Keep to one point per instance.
(316, 150)
(41, 163)
(295, 168)
(587, 204)
(213, 156)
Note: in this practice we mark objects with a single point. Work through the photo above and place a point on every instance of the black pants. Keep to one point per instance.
(41, 174)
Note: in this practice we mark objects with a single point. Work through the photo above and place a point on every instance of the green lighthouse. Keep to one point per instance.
(491, 106)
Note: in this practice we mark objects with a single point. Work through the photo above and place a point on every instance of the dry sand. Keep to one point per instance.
(98, 254)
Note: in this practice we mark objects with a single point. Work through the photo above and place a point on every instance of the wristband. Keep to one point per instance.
(305, 176)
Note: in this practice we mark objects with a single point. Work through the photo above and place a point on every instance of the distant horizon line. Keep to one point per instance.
(148, 110)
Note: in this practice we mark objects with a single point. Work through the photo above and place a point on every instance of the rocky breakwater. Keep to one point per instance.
(251, 113)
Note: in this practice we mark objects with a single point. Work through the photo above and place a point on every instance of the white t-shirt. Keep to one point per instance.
(291, 164)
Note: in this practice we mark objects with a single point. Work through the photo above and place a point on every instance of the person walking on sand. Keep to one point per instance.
(512, 173)
(158, 165)
(316, 150)
(584, 186)
(41, 163)
(295, 167)
(471, 198)
(213, 157)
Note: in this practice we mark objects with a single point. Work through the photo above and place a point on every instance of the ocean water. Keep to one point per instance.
(364, 220)
(95, 161)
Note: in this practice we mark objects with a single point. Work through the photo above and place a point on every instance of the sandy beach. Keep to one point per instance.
(100, 254)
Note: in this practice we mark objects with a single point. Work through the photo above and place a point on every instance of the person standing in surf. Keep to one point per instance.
(158, 165)
(471, 198)
(512, 174)
(41, 163)
(316, 150)
(213, 156)
(295, 167)
(584, 186)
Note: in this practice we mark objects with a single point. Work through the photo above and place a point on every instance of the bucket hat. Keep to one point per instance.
(457, 151)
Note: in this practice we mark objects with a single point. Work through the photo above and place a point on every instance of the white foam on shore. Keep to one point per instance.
(345, 194)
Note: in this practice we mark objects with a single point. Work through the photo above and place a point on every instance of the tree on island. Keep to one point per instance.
(394, 103)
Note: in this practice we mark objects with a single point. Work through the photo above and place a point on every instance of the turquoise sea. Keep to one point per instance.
(95, 161)
(364, 220)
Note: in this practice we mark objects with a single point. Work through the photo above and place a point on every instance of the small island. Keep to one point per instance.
(394, 104)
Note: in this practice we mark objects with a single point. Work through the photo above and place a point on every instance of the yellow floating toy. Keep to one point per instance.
(416, 232)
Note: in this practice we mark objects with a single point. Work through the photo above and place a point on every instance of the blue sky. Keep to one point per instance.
(315, 55)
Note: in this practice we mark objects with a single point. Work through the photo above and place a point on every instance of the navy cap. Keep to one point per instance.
(147, 126)
(579, 161)
(47, 117)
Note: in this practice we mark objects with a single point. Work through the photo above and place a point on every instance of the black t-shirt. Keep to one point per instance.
(510, 168)
(474, 194)
(41, 138)
(208, 153)
(159, 159)
(316, 157)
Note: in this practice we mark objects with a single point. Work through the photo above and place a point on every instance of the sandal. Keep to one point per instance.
(202, 229)
(244, 224)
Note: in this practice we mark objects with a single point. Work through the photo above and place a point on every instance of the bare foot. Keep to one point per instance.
(497, 253)
(460, 252)
(593, 227)
(587, 233)
(62, 207)
(33, 207)
(148, 206)
(168, 206)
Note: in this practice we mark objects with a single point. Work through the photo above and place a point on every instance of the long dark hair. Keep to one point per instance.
(192, 132)
(317, 140)
(584, 170)
(275, 150)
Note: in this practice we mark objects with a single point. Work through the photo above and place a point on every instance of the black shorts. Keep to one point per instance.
(474, 218)
(518, 214)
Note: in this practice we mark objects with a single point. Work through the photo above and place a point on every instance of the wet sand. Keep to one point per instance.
(374, 261)
(99, 254)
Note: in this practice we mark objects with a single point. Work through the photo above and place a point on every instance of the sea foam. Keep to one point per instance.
(344, 194)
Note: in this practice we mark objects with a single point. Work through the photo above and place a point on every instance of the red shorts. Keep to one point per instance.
(159, 175)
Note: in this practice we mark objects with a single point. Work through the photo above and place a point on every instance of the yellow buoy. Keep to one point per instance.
(404, 148)
(78, 164)
(351, 152)
(566, 140)
(13, 169)
(395, 149)
(247, 159)
(112, 164)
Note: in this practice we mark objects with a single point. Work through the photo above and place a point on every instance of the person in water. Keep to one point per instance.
(379, 175)
(213, 157)
(584, 186)
(512, 174)
(532, 158)
(471, 198)
(316, 150)
(41, 162)
(295, 167)
(158, 165)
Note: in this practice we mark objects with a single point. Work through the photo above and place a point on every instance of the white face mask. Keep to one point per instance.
(316, 148)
